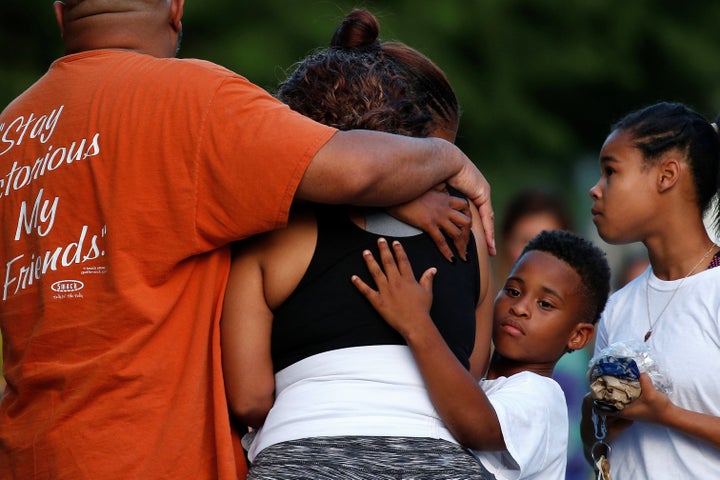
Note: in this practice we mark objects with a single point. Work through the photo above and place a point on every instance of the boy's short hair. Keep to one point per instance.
(586, 259)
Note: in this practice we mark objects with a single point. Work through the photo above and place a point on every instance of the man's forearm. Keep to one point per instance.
(362, 167)
(370, 168)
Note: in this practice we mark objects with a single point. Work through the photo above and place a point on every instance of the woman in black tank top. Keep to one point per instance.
(291, 311)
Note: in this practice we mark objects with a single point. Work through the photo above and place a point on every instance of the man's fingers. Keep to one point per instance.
(487, 217)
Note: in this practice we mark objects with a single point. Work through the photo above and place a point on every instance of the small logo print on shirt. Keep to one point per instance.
(67, 286)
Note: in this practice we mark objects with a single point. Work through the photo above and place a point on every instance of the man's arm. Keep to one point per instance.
(361, 167)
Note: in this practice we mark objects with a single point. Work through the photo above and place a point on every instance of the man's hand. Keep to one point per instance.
(475, 186)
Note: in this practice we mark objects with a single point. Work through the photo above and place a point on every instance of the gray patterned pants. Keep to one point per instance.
(365, 458)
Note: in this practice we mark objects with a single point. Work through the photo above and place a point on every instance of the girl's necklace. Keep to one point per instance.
(647, 293)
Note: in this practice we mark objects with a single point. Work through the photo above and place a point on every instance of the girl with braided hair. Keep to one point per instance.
(659, 177)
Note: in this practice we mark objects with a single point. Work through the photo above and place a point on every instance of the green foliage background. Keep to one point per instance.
(540, 81)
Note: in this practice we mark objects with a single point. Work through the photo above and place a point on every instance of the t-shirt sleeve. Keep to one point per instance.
(530, 411)
(252, 153)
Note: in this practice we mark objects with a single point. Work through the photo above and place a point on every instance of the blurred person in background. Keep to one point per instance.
(632, 265)
(528, 213)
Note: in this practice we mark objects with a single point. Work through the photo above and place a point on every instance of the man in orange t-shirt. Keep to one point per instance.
(125, 173)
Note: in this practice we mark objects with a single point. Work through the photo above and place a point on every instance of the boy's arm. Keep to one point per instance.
(443, 213)
(405, 305)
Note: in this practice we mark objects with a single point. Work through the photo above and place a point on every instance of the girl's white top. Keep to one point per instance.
(685, 343)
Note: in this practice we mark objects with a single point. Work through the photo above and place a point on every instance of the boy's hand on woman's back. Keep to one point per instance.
(402, 301)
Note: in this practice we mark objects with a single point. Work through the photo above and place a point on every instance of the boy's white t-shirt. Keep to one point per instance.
(532, 412)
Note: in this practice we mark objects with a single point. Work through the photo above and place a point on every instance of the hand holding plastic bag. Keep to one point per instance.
(614, 375)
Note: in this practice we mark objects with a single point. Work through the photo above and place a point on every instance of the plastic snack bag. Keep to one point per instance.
(614, 375)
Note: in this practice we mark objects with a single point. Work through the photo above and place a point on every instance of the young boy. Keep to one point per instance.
(515, 421)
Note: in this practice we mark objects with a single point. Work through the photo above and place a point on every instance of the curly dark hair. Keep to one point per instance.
(362, 83)
(586, 259)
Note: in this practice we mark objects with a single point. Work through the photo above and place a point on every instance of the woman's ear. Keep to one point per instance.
(580, 336)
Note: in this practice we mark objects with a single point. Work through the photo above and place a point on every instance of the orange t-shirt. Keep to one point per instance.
(123, 177)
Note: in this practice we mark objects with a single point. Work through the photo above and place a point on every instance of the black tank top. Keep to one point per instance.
(326, 312)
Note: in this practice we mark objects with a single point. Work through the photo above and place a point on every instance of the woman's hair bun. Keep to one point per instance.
(359, 28)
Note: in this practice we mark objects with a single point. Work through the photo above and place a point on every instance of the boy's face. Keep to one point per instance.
(537, 311)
